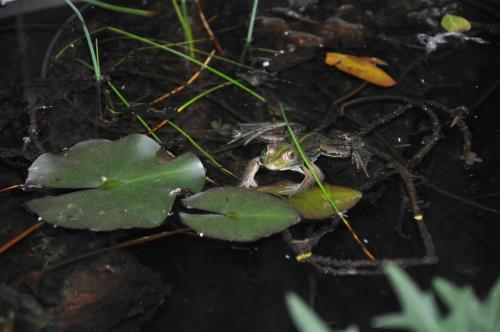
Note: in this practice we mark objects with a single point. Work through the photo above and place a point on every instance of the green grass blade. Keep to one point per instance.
(252, 21)
(120, 9)
(183, 17)
(186, 57)
(201, 95)
(326, 194)
(138, 117)
(202, 150)
(95, 63)
(118, 94)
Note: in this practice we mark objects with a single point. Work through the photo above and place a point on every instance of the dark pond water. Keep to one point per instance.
(50, 104)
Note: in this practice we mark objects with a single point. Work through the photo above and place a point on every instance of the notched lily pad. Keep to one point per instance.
(129, 185)
(238, 214)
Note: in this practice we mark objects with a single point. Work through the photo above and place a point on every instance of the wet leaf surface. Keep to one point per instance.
(238, 214)
(130, 187)
(312, 205)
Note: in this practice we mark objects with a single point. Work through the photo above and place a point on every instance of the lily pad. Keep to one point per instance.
(238, 214)
(454, 23)
(312, 205)
(130, 184)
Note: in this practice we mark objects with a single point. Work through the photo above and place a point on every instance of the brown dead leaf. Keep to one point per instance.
(364, 68)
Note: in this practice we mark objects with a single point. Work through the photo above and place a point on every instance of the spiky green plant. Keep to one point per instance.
(420, 310)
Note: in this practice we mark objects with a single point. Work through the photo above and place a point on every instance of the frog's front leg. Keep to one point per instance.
(309, 178)
(307, 182)
(248, 179)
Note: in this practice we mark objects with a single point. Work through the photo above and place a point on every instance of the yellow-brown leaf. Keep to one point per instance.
(362, 67)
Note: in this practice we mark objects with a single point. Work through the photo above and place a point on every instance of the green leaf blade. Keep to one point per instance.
(304, 318)
(238, 214)
(106, 210)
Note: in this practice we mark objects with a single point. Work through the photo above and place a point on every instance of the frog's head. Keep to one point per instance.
(280, 157)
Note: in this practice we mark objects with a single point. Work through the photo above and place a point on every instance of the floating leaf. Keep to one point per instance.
(453, 23)
(238, 214)
(361, 67)
(131, 183)
(311, 203)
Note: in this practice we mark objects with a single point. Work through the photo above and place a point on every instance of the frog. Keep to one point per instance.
(280, 154)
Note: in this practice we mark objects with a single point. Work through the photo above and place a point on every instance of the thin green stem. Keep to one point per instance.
(201, 149)
(93, 55)
(201, 95)
(127, 104)
(186, 57)
(183, 17)
(118, 94)
(120, 9)
(252, 21)
(326, 194)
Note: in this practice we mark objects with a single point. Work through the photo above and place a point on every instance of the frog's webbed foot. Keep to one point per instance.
(248, 183)
(264, 131)
(361, 158)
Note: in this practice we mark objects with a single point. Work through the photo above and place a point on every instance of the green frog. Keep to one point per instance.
(281, 155)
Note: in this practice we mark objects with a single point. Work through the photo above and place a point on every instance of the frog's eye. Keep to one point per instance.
(290, 155)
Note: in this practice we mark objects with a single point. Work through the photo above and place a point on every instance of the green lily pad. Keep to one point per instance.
(453, 23)
(130, 184)
(311, 203)
(238, 214)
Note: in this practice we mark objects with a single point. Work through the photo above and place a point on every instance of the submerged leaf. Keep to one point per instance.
(361, 67)
(238, 214)
(129, 185)
(454, 23)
